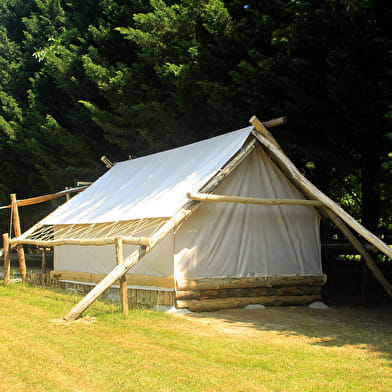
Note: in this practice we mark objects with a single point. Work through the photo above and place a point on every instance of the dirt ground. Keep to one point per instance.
(340, 325)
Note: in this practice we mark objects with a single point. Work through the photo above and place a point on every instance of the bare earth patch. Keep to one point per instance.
(354, 324)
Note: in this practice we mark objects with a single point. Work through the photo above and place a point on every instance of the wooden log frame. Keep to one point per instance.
(251, 200)
(171, 224)
(18, 232)
(247, 292)
(232, 283)
(217, 293)
(329, 208)
(239, 302)
(41, 199)
(123, 279)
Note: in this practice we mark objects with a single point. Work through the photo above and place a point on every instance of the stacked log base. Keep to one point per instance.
(215, 294)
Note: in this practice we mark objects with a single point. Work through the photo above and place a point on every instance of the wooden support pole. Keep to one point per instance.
(312, 191)
(252, 200)
(18, 232)
(274, 122)
(371, 264)
(123, 279)
(330, 208)
(173, 222)
(43, 260)
(143, 241)
(7, 259)
(41, 199)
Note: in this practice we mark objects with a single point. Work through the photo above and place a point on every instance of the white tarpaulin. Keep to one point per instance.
(152, 186)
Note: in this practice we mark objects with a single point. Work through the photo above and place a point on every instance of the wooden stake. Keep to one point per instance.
(123, 279)
(7, 259)
(43, 261)
(173, 222)
(252, 200)
(18, 232)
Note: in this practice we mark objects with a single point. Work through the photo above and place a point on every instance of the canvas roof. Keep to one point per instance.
(153, 186)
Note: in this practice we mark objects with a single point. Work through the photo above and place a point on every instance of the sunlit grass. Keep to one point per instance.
(149, 351)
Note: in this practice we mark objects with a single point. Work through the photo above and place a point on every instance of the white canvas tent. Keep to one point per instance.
(206, 255)
(219, 240)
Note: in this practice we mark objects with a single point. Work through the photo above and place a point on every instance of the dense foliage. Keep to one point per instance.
(82, 78)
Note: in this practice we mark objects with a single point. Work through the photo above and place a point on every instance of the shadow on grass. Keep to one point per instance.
(370, 329)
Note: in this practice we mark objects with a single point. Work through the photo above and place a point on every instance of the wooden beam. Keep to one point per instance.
(173, 222)
(143, 241)
(7, 259)
(18, 232)
(123, 279)
(252, 200)
(41, 199)
(275, 122)
(232, 283)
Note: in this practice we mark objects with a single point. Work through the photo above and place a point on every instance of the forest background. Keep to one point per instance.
(83, 78)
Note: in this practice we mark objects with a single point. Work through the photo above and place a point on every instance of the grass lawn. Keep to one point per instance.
(276, 349)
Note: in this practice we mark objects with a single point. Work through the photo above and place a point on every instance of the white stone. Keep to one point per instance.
(318, 305)
(255, 306)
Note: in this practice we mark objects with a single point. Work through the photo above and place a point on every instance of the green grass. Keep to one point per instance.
(282, 349)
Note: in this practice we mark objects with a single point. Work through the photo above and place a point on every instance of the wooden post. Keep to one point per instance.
(18, 232)
(43, 260)
(173, 222)
(7, 259)
(123, 279)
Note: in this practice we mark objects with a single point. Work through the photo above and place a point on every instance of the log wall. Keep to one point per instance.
(215, 294)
